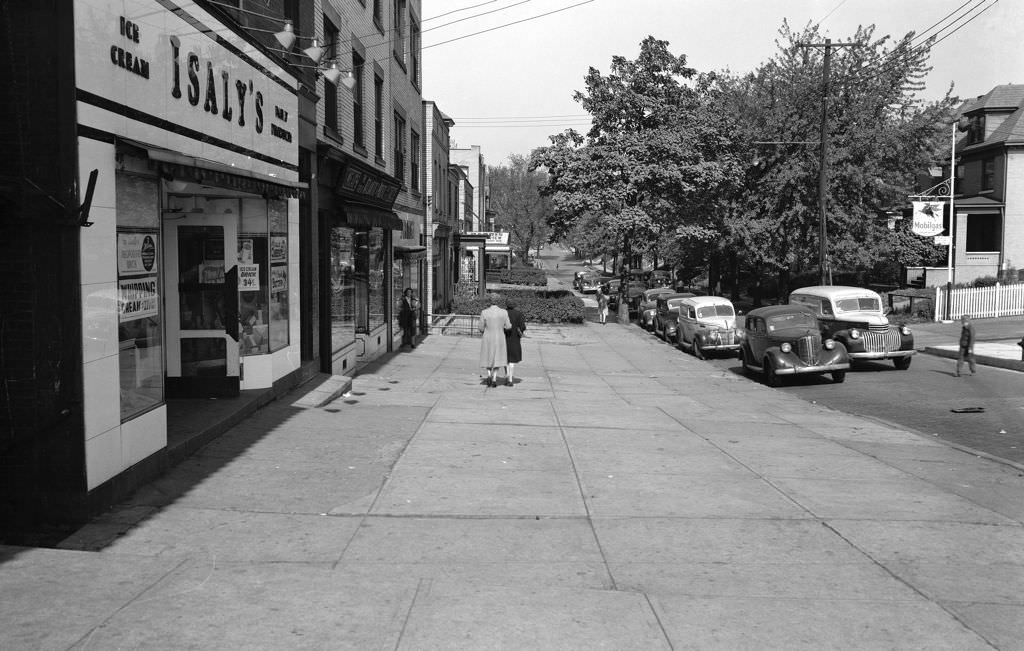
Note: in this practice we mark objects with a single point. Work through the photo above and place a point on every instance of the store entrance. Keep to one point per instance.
(201, 263)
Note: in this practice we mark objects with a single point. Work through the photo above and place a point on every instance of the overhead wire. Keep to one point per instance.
(900, 56)
(509, 24)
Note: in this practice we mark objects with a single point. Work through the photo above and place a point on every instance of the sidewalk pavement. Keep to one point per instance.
(996, 345)
(619, 496)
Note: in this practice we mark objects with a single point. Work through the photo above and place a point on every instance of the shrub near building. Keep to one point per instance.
(537, 307)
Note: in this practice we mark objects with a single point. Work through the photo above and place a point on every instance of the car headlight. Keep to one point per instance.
(829, 344)
(786, 347)
(904, 330)
(855, 334)
(740, 334)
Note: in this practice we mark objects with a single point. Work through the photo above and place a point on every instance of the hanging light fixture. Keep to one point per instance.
(349, 80)
(286, 37)
(332, 73)
(315, 51)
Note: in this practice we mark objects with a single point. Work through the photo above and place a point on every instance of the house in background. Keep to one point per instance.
(989, 202)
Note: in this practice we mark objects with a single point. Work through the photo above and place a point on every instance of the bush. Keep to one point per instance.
(519, 276)
(547, 307)
(985, 281)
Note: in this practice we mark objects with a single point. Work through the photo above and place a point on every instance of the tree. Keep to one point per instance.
(654, 158)
(881, 136)
(518, 205)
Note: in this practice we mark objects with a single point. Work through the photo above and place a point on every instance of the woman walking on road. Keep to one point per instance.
(493, 324)
(513, 335)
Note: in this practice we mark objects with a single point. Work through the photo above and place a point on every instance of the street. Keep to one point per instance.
(921, 399)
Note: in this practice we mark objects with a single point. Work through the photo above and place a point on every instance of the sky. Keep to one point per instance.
(511, 87)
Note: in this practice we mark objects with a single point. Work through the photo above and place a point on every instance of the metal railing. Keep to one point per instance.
(454, 324)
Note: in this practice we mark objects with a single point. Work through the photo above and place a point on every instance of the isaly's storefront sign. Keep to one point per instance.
(186, 82)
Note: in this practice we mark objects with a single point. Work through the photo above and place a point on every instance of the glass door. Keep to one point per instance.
(201, 258)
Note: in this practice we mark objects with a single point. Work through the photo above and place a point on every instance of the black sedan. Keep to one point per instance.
(783, 340)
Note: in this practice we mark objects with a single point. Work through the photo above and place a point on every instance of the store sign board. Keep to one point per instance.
(136, 254)
(186, 82)
(492, 237)
(927, 220)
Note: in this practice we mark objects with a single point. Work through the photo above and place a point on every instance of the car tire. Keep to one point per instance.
(747, 361)
(838, 377)
(771, 378)
(902, 363)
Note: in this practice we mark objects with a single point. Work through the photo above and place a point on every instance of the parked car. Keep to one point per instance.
(577, 280)
(708, 324)
(590, 282)
(666, 314)
(781, 340)
(647, 305)
(611, 290)
(855, 318)
(659, 278)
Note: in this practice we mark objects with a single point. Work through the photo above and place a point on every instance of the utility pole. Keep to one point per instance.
(825, 273)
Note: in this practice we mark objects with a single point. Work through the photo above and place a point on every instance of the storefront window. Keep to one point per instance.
(278, 212)
(369, 275)
(397, 287)
(343, 292)
(141, 354)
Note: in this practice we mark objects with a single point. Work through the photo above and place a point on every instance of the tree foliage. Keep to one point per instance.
(880, 137)
(518, 204)
(653, 159)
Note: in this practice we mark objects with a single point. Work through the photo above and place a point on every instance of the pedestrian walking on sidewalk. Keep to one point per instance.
(513, 345)
(966, 345)
(407, 317)
(602, 306)
(493, 354)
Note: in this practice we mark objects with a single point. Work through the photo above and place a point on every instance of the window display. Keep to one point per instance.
(369, 275)
(278, 213)
(140, 339)
(342, 273)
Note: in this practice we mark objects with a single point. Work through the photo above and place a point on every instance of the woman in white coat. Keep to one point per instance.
(494, 322)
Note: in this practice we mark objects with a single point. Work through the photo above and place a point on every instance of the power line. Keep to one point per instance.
(523, 117)
(455, 11)
(516, 4)
(459, 38)
(904, 55)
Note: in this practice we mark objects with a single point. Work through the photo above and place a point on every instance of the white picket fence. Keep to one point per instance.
(980, 302)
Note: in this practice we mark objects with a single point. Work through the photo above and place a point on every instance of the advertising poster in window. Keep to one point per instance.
(278, 278)
(278, 248)
(136, 254)
(137, 298)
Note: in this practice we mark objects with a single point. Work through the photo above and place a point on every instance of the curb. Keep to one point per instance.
(985, 360)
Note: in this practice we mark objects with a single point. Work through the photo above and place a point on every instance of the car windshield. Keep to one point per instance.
(674, 303)
(859, 304)
(709, 311)
(791, 320)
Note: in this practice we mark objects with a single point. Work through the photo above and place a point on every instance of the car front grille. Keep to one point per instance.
(721, 338)
(878, 327)
(808, 348)
(878, 342)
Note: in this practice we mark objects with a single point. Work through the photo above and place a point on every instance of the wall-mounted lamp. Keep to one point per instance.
(286, 37)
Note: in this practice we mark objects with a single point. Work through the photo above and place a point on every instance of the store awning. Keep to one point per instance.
(204, 171)
(360, 215)
(410, 252)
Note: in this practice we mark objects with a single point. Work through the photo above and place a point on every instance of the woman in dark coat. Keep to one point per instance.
(512, 337)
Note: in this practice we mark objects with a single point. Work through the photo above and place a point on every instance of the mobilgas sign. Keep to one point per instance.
(186, 83)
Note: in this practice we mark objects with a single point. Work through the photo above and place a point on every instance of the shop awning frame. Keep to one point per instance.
(410, 252)
(192, 168)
